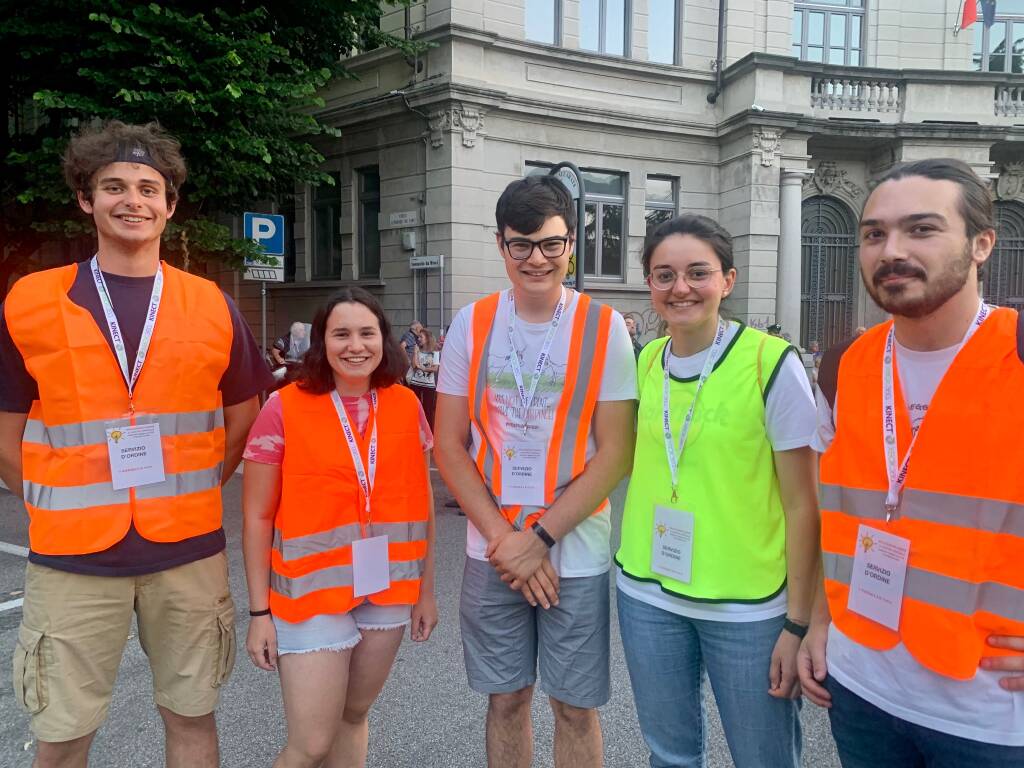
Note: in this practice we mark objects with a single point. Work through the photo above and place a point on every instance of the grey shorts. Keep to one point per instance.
(503, 637)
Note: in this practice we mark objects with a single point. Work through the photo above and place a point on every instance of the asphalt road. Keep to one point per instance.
(426, 717)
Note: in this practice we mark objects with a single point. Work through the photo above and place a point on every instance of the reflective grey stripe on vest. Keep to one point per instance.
(95, 432)
(479, 403)
(337, 576)
(183, 483)
(943, 591)
(75, 497)
(566, 449)
(343, 536)
(989, 515)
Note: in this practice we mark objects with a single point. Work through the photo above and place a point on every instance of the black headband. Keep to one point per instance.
(136, 153)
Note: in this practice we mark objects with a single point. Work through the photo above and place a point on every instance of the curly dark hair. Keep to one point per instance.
(95, 148)
(316, 375)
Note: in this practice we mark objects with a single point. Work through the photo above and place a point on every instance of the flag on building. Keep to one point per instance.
(970, 13)
(988, 12)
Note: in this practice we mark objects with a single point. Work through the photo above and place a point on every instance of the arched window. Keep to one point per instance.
(828, 273)
(1003, 277)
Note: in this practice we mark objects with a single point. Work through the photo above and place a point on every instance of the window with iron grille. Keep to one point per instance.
(828, 272)
(1003, 275)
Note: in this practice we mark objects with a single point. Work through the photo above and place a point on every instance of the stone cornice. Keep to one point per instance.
(763, 61)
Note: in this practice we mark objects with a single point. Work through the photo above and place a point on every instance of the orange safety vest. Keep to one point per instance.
(962, 506)
(72, 506)
(567, 449)
(323, 510)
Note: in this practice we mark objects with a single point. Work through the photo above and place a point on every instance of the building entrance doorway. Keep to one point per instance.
(828, 272)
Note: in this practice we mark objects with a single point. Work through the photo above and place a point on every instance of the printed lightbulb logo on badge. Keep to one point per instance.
(116, 435)
(661, 528)
(510, 453)
(867, 543)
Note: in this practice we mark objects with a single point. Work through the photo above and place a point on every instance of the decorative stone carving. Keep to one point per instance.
(469, 121)
(830, 179)
(439, 123)
(767, 142)
(1010, 184)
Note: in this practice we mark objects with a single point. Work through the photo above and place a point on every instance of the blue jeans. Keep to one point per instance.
(667, 654)
(868, 737)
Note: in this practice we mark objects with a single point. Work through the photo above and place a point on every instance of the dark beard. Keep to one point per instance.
(937, 290)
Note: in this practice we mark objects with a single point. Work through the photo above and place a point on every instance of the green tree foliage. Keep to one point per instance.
(236, 82)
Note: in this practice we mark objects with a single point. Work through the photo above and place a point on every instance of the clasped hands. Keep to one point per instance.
(521, 558)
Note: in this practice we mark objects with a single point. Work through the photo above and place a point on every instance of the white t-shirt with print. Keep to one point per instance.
(893, 680)
(584, 551)
(789, 422)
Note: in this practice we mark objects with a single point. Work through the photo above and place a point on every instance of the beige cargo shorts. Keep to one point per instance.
(74, 628)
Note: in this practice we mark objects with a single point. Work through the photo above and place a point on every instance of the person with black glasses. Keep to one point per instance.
(540, 380)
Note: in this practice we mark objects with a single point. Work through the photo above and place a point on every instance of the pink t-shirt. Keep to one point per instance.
(266, 438)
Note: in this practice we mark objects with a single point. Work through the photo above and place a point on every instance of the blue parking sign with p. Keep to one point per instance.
(266, 230)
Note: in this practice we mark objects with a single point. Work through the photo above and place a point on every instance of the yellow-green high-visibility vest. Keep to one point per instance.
(726, 477)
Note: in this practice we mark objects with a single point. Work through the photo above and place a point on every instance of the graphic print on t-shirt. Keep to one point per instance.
(505, 395)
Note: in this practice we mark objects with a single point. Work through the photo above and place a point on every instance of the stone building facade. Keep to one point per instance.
(776, 130)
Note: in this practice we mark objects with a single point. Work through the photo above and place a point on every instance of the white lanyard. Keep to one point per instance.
(542, 358)
(115, 329)
(897, 473)
(365, 479)
(666, 406)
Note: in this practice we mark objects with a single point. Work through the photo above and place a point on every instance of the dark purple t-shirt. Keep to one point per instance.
(247, 375)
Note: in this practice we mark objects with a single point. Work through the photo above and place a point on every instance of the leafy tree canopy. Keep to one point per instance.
(235, 82)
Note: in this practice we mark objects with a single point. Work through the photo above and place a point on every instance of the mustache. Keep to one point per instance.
(897, 269)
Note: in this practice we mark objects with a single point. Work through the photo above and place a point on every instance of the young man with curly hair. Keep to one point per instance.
(127, 391)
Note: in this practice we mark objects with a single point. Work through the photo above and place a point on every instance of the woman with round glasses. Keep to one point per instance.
(720, 530)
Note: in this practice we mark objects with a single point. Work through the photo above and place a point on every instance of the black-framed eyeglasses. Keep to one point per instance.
(521, 248)
(664, 278)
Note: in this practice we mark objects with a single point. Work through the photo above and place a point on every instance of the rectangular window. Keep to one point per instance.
(660, 205)
(605, 26)
(605, 220)
(661, 31)
(369, 226)
(605, 231)
(326, 246)
(828, 31)
(1000, 48)
(542, 21)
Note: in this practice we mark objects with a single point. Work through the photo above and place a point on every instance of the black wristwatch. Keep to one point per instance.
(793, 628)
(543, 535)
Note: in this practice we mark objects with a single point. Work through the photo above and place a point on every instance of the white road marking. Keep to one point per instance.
(13, 549)
(11, 604)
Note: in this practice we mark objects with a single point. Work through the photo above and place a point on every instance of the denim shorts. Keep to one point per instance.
(338, 631)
